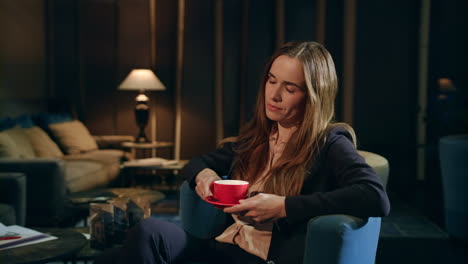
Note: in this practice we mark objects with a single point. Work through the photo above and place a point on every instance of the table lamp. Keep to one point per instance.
(142, 80)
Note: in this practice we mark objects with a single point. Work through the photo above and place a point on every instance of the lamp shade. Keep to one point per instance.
(142, 79)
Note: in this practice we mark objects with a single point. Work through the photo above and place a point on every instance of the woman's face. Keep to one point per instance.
(285, 91)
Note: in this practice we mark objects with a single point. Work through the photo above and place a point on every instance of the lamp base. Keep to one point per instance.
(141, 138)
(141, 115)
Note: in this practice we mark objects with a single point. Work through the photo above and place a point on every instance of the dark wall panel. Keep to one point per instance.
(300, 19)
(386, 85)
(22, 50)
(231, 67)
(198, 120)
(334, 31)
(261, 44)
(98, 25)
(165, 68)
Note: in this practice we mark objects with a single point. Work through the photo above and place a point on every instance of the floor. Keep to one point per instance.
(407, 236)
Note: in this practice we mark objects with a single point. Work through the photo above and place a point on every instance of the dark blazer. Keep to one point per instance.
(340, 182)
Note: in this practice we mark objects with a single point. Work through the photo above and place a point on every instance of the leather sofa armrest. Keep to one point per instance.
(339, 239)
(45, 188)
(112, 141)
(13, 192)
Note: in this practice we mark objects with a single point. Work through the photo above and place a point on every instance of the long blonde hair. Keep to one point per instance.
(287, 174)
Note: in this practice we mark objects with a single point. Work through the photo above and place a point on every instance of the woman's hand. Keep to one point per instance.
(203, 180)
(263, 207)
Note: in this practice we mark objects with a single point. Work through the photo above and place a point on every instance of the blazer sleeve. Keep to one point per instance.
(219, 160)
(359, 191)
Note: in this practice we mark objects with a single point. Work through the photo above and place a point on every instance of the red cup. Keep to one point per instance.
(229, 191)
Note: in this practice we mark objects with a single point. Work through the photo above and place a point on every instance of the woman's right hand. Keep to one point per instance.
(203, 180)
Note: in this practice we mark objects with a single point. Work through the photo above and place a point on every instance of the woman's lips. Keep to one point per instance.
(273, 108)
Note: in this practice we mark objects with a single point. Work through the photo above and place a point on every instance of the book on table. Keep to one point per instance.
(17, 236)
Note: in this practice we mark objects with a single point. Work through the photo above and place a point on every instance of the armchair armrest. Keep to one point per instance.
(199, 218)
(340, 239)
(112, 141)
(45, 187)
(13, 192)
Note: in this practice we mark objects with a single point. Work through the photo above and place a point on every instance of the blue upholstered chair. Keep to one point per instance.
(453, 151)
(331, 239)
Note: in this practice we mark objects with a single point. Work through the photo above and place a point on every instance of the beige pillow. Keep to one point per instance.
(42, 144)
(73, 137)
(8, 147)
(21, 144)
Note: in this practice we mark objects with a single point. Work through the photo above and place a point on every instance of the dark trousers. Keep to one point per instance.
(159, 242)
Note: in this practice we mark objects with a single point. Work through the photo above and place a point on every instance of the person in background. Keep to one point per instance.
(299, 164)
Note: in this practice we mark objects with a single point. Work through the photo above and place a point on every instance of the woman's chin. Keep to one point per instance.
(273, 117)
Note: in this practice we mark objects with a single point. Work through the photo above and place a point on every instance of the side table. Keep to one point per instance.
(168, 174)
(146, 147)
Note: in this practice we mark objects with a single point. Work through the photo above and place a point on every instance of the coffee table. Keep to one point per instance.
(68, 244)
(83, 199)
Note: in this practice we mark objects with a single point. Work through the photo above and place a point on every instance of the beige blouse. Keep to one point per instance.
(253, 237)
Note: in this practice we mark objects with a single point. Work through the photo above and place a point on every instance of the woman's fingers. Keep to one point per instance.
(260, 208)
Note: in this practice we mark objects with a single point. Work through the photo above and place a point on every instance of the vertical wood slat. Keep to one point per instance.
(152, 51)
(422, 87)
(81, 70)
(244, 60)
(349, 60)
(218, 39)
(321, 20)
(179, 74)
(116, 65)
(152, 16)
(280, 23)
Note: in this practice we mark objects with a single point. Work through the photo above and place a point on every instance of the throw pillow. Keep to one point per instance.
(43, 144)
(73, 137)
(22, 143)
(7, 147)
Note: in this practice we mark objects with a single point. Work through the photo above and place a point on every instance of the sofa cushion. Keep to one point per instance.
(16, 144)
(109, 157)
(106, 156)
(73, 137)
(83, 175)
(42, 144)
(8, 147)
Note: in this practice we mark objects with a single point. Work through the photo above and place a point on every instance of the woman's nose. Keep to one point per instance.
(276, 93)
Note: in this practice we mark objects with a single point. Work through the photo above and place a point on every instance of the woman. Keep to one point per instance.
(298, 163)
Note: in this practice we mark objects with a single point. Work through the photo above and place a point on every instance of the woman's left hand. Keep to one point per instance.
(263, 207)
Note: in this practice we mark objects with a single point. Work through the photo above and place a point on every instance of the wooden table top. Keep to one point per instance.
(67, 245)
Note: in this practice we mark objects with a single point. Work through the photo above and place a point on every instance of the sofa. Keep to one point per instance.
(12, 198)
(59, 157)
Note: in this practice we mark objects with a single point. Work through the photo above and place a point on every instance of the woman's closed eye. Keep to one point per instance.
(290, 89)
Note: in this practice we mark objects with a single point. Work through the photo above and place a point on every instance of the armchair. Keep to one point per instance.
(12, 198)
(330, 239)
